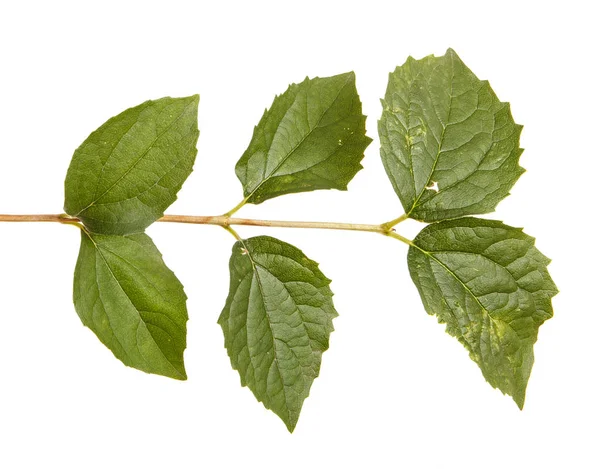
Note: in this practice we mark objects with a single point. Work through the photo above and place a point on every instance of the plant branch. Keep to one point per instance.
(33, 218)
(226, 221)
(57, 218)
(221, 220)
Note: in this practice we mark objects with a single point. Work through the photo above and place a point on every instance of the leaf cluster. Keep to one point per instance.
(451, 151)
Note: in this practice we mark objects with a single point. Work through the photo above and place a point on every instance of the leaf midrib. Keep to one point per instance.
(97, 198)
(255, 266)
(260, 288)
(439, 150)
(160, 293)
(289, 154)
(471, 293)
(140, 319)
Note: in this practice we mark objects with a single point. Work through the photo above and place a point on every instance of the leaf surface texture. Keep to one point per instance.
(312, 137)
(128, 171)
(489, 284)
(128, 297)
(277, 320)
(449, 146)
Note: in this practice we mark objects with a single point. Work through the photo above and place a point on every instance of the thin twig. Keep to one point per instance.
(226, 221)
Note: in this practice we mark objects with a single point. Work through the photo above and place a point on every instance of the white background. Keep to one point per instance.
(395, 390)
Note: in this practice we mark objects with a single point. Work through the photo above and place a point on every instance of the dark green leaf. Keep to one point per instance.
(449, 146)
(124, 292)
(126, 173)
(312, 137)
(490, 285)
(276, 322)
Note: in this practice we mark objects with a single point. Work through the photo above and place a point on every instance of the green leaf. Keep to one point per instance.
(490, 285)
(126, 173)
(449, 146)
(312, 137)
(276, 322)
(124, 292)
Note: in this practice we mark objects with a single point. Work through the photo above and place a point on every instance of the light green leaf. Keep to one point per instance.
(312, 137)
(126, 173)
(449, 146)
(276, 322)
(490, 285)
(124, 292)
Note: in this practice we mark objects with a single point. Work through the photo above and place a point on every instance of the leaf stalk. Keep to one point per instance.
(236, 208)
(390, 224)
